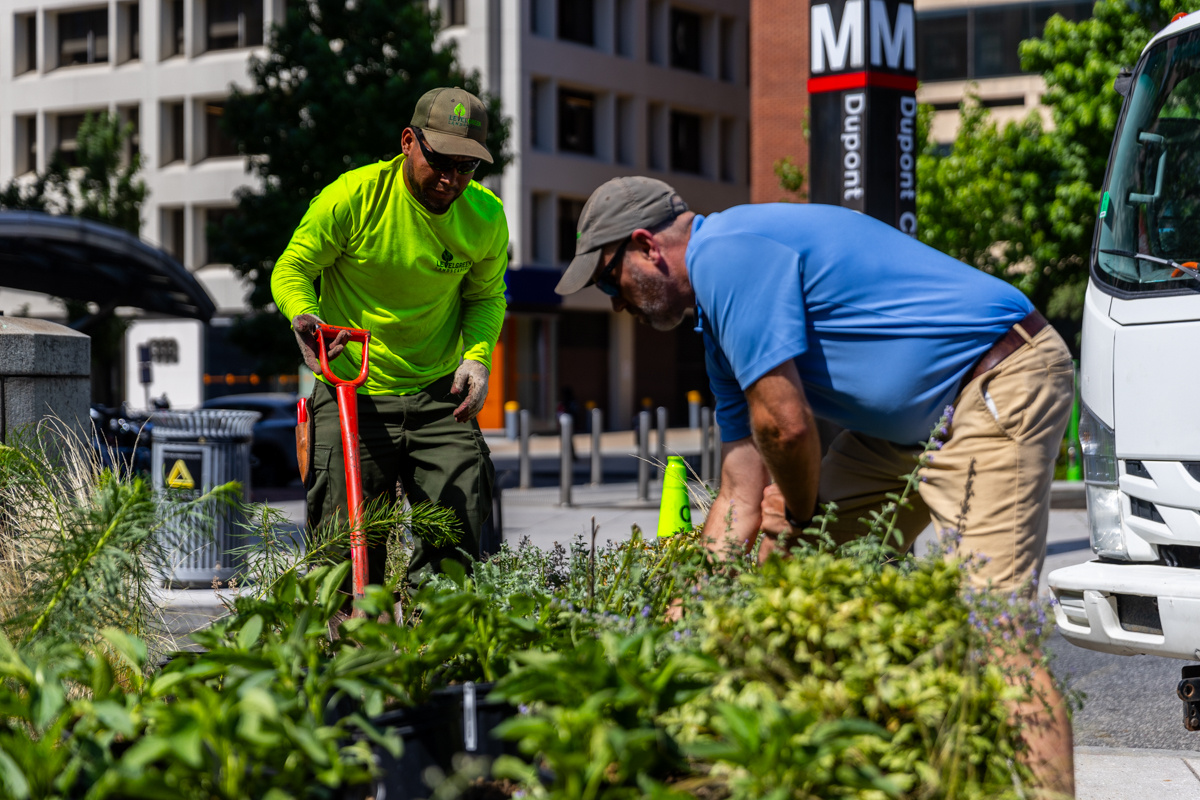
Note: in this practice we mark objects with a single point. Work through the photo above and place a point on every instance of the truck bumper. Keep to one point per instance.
(1129, 609)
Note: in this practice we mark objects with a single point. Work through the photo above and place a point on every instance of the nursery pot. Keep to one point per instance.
(457, 719)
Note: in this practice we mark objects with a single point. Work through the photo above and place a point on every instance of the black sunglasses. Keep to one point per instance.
(443, 163)
(603, 279)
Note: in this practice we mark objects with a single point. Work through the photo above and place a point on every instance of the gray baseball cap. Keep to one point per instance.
(614, 211)
(454, 121)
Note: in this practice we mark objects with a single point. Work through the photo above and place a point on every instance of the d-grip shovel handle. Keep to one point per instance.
(356, 335)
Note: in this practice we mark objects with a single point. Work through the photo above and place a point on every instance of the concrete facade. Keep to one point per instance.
(45, 371)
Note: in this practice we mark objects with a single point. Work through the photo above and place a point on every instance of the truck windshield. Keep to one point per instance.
(1151, 203)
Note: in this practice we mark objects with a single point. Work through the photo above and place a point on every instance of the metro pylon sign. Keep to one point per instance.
(863, 150)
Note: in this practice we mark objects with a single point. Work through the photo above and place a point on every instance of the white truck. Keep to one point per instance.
(1140, 373)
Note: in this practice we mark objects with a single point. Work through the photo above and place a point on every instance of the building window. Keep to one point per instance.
(173, 240)
(624, 151)
(576, 122)
(970, 43)
(727, 49)
(132, 116)
(173, 141)
(685, 142)
(67, 146)
(231, 24)
(83, 37)
(27, 147)
(454, 12)
(577, 21)
(568, 221)
(217, 143)
(654, 136)
(728, 169)
(685, 40)
(173, 30)
(25, 43)
(130, 25)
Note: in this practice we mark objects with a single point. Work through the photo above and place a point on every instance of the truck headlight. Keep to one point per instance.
(1099, 445)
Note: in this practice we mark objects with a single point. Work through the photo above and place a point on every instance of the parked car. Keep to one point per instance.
(273, 453)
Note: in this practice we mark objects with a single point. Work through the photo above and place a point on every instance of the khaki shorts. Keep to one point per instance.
(990, 482)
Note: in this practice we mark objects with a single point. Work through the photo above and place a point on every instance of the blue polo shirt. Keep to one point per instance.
(882, 328)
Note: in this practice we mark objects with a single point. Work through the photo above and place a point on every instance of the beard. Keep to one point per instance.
(435, 203)
(659, 308)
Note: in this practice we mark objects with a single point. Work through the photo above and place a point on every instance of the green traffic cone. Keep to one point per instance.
(675, 511)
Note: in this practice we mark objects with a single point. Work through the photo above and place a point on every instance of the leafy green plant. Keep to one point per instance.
(81, 548)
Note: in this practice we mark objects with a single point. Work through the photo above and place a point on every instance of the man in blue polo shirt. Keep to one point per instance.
(817, 311)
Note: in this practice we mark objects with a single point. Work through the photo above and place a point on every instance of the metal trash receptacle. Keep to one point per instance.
(190, 453)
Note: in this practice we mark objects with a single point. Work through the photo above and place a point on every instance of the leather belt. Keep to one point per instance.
(1008, 344)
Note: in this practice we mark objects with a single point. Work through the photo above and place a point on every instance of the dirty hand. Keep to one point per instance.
(774, 521)
(472, 377)
(305, 328)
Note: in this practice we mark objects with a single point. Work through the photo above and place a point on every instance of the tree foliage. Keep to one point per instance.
(1020, 200)
(334, 92)
(102, 185)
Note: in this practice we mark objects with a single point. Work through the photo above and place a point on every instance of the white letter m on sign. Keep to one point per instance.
(902, 38)
(849, 37)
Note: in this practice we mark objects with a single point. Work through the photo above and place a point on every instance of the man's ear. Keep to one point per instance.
(643, 242)
(408, 141)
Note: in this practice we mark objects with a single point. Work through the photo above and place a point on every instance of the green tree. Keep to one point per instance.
(102, 185)
(333, 93)
(1020, 200)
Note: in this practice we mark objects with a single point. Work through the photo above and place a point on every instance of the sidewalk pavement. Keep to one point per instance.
(536, 513)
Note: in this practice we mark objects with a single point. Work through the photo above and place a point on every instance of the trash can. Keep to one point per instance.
(191, 452)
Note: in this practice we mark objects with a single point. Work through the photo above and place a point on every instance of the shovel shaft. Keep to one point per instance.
(347, 401)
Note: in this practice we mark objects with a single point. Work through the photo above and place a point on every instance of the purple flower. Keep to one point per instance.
(948, 413)
(645, 611)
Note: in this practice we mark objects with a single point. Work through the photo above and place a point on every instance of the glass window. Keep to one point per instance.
(83, 37)
(67, 146)
(998, 35)
(1153, 207)
(685, 39)
(25, 44)
(173, 139)
(456, 12)
(685, 142)
(577, 21)
(218, 143)
(576, 122)
(942, 46)
(133, 21)
(569, 211)
(26, 144)
(173, 39)
(231, 24)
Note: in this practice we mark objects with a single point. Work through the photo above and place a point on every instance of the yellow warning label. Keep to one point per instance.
(180, 478)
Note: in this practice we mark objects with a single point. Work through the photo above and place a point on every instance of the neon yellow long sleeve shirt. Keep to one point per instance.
(429, 287)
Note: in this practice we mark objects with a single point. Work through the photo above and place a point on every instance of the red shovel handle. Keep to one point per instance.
(329, 333)
(347, 401)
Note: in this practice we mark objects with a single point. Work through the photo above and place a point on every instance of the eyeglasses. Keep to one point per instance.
(442, 163)
(603, 279)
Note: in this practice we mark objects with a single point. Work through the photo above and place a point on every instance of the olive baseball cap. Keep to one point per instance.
(613, 212)
(454, 122)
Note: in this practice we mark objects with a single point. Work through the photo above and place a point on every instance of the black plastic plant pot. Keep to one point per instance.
(457, 719)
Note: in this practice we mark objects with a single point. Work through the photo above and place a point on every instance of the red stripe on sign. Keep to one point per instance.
(858, 80)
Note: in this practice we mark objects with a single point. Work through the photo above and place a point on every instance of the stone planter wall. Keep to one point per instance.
(45, 370)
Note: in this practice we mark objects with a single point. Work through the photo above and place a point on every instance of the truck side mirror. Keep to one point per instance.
(1123, 81)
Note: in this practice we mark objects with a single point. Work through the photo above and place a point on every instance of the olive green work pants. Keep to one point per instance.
(412, 440)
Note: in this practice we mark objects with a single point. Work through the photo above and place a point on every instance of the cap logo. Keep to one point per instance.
(462, 117)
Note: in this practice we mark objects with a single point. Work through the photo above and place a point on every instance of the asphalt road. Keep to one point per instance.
(1128, 701)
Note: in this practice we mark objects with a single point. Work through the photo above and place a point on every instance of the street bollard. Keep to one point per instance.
(512, 410)
(566, 464)
(705, 453)
(597, 420)
(526, 469)
(661, 455)
(694, 409)
(644, 455)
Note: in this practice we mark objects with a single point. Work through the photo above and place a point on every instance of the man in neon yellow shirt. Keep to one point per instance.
(414, 251)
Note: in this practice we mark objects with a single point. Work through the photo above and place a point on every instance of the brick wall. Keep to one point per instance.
(778, 92)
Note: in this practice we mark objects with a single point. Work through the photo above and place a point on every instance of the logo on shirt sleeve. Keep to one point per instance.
(447, 263)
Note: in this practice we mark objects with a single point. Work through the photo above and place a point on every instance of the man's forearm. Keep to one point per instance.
(735, 515)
